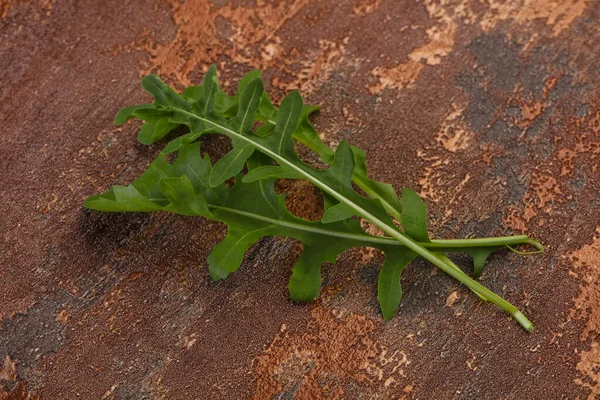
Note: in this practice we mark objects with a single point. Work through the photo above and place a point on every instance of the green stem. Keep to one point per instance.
(487, 242)
(391, 231)
(361, 183)
(451, 263)
(458, 275)
(438, 246)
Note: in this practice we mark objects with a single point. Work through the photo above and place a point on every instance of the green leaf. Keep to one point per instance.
(121, 199)
(226, 257)
(307, 135)
(414, 216)
(480, 255)
(230, 165)
(182, 197)
(234, 161)
(247, 79)
(305, 283)
(249, 101)
(181, 187)
(251, 209)
(336, 181)
(337, 212)
(211, 86)
(178, 143)
(389, 291)
(268, 172)
(152, 132)
(374, 189)
(163, 94)
(193, 93)
(152, 115)
(125, 114)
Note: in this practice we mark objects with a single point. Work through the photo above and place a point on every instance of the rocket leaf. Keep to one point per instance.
(252, 209)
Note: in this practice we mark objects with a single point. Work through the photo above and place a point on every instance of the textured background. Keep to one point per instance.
(490, 109)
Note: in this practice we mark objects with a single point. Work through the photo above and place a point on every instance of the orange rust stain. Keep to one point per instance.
(558, 14)
(365, 7)
(397, 77)
(439, 182)
(543, 193)
(331, 352)
(8, 372)
(452, 299)
(45, 6)
(566, 157)
(544, 190)
(588, 366)
(448, 16)
(244, 34)
(316, 66)
(453, 134)
(585, 265)
(440, 43)
(594, 123)
(351, 119)
(489, 151)
(529, 111)
(431, 179)
(5, 6)
(549, 85)
(19, 392)
(62, 317)
(514, 221)
(584, 146)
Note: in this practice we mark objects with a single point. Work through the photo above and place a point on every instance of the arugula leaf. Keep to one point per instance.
(251, 209)
(389, 291)
(414, 217)
(374, 189)
(480, 255)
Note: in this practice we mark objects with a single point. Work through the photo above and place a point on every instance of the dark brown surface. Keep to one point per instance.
(490, 109)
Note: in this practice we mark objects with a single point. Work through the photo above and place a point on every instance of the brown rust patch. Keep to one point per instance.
(588, 366)
(244, 34)
(5, 6)
(44, 7)
(544, 191)
(585, 149)
(454, 134)
(449, 15)
(335, 352)
(8, 372)
(366, 6)
(18, 392)
(585, 265)
(558, 14)
(440, 41)
(315, 67)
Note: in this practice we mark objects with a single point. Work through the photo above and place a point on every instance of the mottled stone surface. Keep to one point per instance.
(490, 109)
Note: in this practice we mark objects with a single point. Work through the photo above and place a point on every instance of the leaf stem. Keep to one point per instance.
(434, 245)
(360, 182)
(489, 241)
(392, 231)
(467, 281)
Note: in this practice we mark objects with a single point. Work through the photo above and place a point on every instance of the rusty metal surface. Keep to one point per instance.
(489, 108)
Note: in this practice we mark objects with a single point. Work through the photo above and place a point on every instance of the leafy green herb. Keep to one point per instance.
(251, 209)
